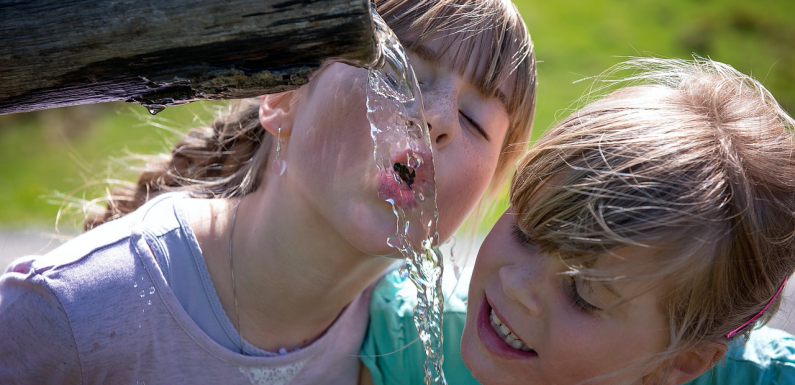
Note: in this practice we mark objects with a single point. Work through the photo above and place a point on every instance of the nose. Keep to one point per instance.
(441, 112)
(524, 285)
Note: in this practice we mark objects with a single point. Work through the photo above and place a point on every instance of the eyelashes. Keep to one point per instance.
(477, 127)
(578, 300)
(520, 235)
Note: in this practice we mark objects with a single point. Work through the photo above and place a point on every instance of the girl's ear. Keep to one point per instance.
(278, 110)
(689, 364)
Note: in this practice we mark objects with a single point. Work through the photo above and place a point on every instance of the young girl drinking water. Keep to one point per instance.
(648, 233)
(247, 255)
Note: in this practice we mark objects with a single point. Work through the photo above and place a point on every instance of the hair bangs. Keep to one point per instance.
(492, 50)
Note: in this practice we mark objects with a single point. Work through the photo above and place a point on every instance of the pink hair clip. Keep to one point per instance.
(754, 318)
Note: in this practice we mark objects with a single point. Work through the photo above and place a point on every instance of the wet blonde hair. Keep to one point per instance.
(227, 158)
(692, 161)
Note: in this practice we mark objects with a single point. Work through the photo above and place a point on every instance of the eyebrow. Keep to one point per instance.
(431, 56)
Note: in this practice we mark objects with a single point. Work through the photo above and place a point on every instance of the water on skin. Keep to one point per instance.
(397, 126)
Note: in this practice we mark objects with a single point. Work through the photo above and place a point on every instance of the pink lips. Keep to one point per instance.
(404, 192)
(492, 341)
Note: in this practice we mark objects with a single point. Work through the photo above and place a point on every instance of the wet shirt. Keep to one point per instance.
(99, 310)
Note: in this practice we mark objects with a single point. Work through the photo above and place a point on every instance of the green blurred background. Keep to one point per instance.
(61, 156)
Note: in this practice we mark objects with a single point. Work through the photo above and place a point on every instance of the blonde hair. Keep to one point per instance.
(226, 159)
(692, 161)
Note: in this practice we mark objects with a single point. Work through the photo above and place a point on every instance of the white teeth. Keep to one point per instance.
(506, 334)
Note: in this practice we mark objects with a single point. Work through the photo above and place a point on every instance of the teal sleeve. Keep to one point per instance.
(392, 350)
(767, 358)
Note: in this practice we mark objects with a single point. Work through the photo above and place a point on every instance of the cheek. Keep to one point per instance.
(583, 351)
(461, 181)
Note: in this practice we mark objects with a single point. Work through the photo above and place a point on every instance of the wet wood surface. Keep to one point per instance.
(64, 52)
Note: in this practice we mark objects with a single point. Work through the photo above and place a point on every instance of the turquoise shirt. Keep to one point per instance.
(393, 353)
(768, 358)
(392, 349)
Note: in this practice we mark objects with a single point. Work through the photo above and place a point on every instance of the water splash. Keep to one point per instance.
(403, 155)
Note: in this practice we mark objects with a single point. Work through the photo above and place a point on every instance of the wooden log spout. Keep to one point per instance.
(158, 53)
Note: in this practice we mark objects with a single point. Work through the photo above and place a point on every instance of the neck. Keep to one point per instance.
(293, 275)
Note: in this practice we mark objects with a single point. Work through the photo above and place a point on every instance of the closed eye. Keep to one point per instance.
(578, 300)
(476, 126)
(520, 235)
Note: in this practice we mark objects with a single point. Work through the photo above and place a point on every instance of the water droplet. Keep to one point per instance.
(414, 161)
(154, 109)
(421, 196)
(135, 284)
(149, 302)
(142, 293)
(152, 290)
(393, 241)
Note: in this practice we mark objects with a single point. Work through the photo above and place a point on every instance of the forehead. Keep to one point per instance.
(468, 60)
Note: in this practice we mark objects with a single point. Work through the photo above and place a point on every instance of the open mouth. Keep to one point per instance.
(407, 181)
(506, 334)
(405, 173)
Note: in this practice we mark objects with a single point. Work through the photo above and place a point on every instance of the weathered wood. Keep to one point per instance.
(56, 53)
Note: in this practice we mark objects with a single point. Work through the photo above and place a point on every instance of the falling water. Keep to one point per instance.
(403, 156)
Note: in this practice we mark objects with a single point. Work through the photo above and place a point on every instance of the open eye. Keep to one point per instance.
(578, 300)
(474, 125)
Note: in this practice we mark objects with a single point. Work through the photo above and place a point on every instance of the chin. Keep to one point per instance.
(471, 356)
(371, 238)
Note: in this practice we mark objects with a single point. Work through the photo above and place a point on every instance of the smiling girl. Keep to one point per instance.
(248, 254)
(647, 232)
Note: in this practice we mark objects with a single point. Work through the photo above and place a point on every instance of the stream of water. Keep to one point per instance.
(403, 155)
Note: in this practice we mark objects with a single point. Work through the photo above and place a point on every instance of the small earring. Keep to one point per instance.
(279, 164)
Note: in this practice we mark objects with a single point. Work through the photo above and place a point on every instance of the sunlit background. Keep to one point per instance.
(51, 160)
(47, 158)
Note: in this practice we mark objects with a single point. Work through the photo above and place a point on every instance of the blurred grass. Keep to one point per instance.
(50, 157)
(61, 150)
